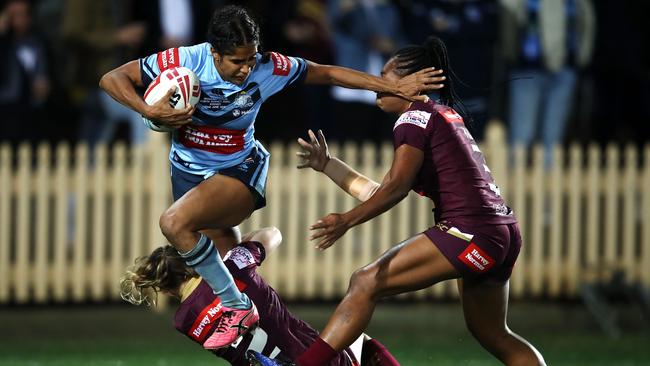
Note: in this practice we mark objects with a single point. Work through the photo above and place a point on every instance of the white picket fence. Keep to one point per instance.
(69, 227)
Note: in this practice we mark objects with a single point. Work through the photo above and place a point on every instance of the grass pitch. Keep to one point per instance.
(424, 334)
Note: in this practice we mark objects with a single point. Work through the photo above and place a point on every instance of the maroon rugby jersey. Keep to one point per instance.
(280, 334)
(454, 173)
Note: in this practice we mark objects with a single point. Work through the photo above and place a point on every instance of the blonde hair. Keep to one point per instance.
(162, 270)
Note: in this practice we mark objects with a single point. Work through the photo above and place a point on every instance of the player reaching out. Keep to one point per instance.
(219, 169)
(476, 239)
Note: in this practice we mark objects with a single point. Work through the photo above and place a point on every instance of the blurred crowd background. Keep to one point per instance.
(552, 71)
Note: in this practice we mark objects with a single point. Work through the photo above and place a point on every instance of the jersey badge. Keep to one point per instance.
(168, 59)
(417, 118)
(242, 257)
(281, 64)
(451, 116)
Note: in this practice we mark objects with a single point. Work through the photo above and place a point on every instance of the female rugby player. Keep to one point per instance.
(476, 239)
(218, 168)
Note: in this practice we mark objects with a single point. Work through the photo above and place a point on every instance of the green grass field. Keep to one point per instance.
(425, 334)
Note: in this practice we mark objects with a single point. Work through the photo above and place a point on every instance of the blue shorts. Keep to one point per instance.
(252, 172)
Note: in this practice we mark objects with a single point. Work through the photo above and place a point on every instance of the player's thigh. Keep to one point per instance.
(412, 265)
(219, 202)
(485, 306)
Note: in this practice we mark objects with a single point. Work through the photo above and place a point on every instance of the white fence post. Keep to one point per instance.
(5, 220)
(568, 238)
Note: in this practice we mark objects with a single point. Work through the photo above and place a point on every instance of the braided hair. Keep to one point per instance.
(162, 270)
(232, 27)
(431, 53)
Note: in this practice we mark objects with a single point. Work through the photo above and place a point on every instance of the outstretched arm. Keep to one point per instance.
(315, 154)
(395, 186)
(408, 87)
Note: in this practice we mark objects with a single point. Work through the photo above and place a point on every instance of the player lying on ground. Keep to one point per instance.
(476, 239)
(280, 334)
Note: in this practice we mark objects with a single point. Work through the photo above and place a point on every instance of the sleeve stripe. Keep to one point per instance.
(301, 73)
(147, 74)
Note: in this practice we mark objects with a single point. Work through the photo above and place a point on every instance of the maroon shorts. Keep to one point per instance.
(487, 251)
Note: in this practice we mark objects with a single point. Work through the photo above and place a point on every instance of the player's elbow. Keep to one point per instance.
(269, 237)
(105, 80)
(274, 236)
(397, 189)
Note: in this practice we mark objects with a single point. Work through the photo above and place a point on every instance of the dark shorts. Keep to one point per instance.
(486, 252)
(252, 172)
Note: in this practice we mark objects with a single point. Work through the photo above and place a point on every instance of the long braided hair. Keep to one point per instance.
(431, 53)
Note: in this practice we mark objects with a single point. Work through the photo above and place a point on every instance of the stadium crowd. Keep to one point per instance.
(592, 86)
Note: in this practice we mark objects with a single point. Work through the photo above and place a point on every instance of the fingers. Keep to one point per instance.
(313, 139)
(429, 71)
(169, 93)
(435, 83)
(304, 144)
(304, 162)
(324, 244)
(321, 138)
(320, 224)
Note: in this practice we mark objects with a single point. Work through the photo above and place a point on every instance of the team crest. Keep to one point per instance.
(243, 100)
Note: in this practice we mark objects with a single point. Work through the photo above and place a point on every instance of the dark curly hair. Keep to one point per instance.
(232, 27)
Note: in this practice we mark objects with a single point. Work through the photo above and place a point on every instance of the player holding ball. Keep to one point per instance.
(218, 167)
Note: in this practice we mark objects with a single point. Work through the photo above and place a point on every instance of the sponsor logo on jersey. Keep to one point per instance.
(242, 257)
(450, 116)
(417, 118)
(212, 139)
(206, 318)
(281, 64)
(476, 259)
(168, 59)
(200, 328)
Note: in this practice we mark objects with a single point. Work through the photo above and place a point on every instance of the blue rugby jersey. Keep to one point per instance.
(221, 134)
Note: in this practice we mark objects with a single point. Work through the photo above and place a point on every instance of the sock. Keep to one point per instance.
(374, 353)
(206, 261)
(319, 353)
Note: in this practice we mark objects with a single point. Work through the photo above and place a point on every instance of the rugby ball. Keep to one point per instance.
(188, 91)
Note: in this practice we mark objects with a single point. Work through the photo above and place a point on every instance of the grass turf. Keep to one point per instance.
(421, 334)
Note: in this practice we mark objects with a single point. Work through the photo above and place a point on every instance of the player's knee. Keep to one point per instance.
(172, 224)
(364, 282)
(489, 337)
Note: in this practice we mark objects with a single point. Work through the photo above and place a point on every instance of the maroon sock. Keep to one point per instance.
(319, 353)
(375, 354)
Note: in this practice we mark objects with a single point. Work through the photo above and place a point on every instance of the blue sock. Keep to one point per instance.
(205, 260)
